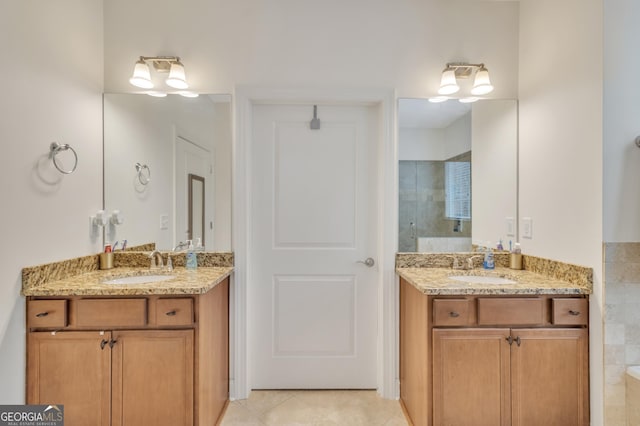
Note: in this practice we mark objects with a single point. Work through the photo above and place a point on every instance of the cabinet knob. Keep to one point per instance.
(509, 340)
(171, 313)
(42, 314)
(574, 313)
(112, 342)
(103, 343)
(454, 314)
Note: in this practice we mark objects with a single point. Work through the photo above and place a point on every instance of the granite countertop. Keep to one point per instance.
(186, 281)
(436, 281)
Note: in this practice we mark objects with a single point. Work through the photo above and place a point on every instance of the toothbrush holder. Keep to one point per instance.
(106, 260)
(515, 261)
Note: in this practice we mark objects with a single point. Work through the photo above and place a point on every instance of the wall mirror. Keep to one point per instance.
(458, 174)
(167, 169)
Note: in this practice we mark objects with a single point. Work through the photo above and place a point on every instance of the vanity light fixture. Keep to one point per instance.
(142, 74)
(461, 70)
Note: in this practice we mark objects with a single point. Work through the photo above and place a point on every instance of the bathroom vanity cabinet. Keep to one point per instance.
(518, 360)
(131, 360)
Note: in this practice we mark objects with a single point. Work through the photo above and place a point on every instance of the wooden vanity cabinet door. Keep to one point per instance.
(550, 377)
(72, 369)
(471, 377)
(153, 378)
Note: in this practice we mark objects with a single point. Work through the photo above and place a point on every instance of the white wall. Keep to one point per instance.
(420, 144)
(560, 158)
(457, 137)
(53, 73)
(401, 44)
(494, 170)
(223, 142)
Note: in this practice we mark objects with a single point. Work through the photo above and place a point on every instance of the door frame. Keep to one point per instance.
(387, 289)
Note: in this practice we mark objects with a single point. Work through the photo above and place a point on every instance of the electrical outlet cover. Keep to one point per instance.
(527, 227)
(164, 221)
(511, 231)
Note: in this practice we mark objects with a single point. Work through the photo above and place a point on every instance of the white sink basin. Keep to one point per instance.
(139, 279)
(480, 279)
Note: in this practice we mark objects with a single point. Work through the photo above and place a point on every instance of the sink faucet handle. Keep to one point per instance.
(455, 264)
(156, 259)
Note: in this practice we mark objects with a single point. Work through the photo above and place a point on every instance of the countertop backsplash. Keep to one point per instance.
(574, 274)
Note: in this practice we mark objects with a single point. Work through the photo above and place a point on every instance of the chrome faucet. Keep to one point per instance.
(470, 261)
(180, 246)
(156, 260)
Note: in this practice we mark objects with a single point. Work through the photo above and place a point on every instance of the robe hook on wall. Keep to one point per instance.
(315, 122)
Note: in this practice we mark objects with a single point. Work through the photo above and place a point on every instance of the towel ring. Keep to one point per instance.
(143, 176)
(54, 149)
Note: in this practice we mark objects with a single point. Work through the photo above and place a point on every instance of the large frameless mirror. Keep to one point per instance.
(168, 169)
(458, 174)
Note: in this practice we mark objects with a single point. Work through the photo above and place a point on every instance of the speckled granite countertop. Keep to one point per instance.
(81, 277)
(90, 284)
(436, 281)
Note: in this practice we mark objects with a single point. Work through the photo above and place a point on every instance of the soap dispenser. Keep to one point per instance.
(489, 262)
(192, 259)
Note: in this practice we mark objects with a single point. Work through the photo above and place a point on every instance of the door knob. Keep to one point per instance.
(368, 262)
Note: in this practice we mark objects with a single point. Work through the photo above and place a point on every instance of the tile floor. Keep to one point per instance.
(309, 407)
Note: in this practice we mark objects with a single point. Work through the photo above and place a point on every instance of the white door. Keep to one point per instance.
(312, 307)
(191, 158)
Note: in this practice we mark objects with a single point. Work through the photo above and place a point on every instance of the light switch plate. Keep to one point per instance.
(164, 221)
(511, 231)
(527, 227)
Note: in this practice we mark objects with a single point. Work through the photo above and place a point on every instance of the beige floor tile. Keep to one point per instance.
(260, 401)
(239, 415)
(397, 420)
(316, 408)
(294, 412)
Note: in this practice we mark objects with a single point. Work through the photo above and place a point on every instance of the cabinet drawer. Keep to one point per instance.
(174, 311)
(570, 311)
(46, 313)
(104, 313)
(494, 311)
(451, 312)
